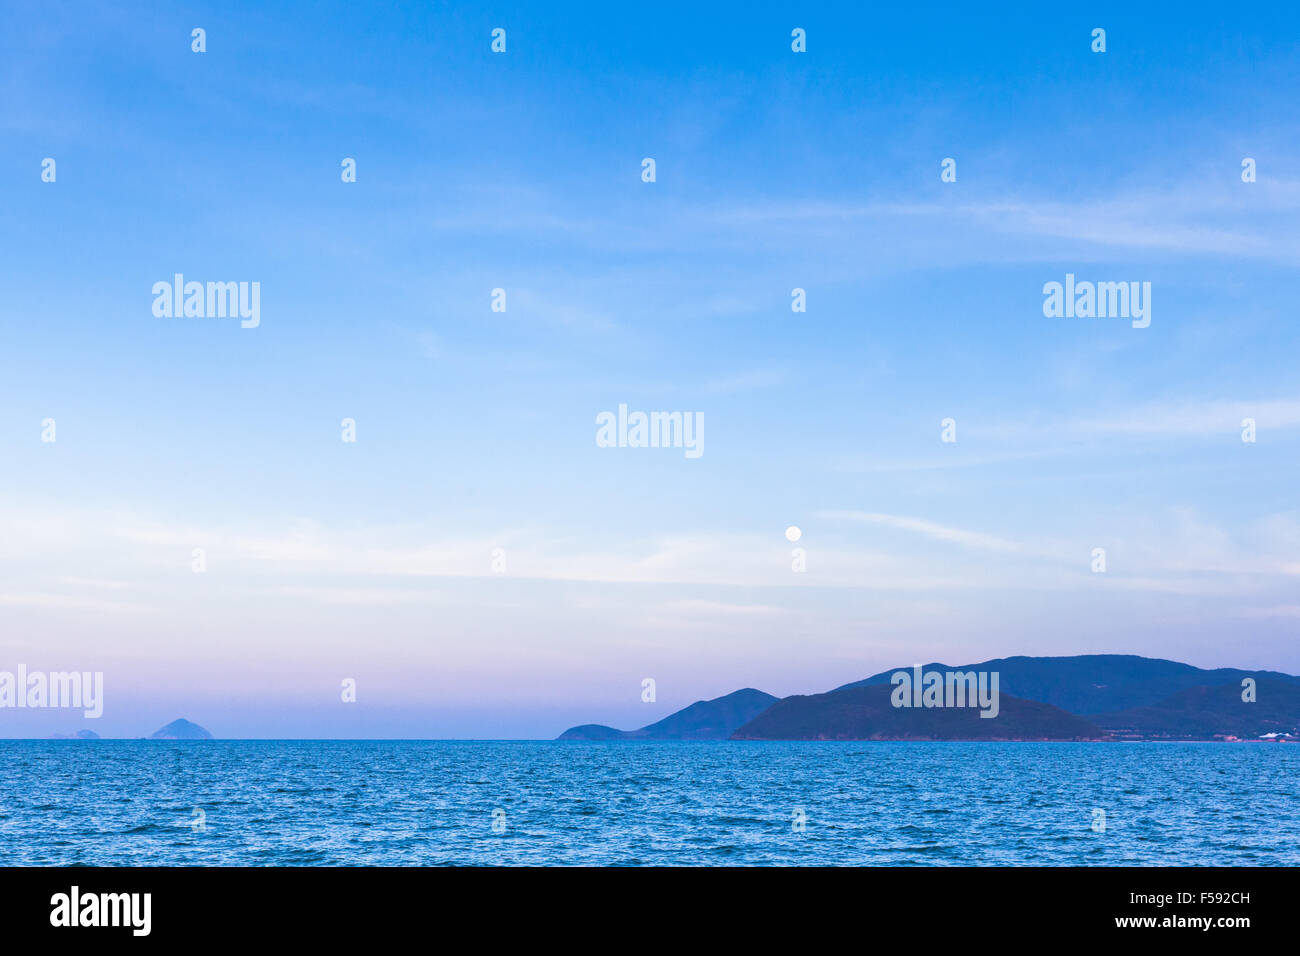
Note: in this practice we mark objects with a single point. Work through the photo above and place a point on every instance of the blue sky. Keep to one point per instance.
(475, 429)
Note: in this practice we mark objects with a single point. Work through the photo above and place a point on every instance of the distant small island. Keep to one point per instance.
(79, 735)
(181, 729)
(1090, 697)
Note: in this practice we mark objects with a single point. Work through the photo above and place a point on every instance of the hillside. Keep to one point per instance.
(866, 713)
(1042, 698)
(1202, 713)
(1096, 683)
(703, 720)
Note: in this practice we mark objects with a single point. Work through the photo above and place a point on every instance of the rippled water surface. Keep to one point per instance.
(422, 803)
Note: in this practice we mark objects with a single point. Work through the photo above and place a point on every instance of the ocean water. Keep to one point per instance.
(435, 802)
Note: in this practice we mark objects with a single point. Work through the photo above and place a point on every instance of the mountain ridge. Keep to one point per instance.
(714, 719)
(1206, 712)
(1087, 684)
(868, 713)
(1075, 697)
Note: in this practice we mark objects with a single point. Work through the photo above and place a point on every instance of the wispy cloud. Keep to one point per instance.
(930, 529)
(745, 381)
(1277, 611)
(1189, 418)
(1197, 217)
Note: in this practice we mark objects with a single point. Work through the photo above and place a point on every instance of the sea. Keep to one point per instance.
(533, 803)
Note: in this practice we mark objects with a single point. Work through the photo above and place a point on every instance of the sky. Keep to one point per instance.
(372, 560)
